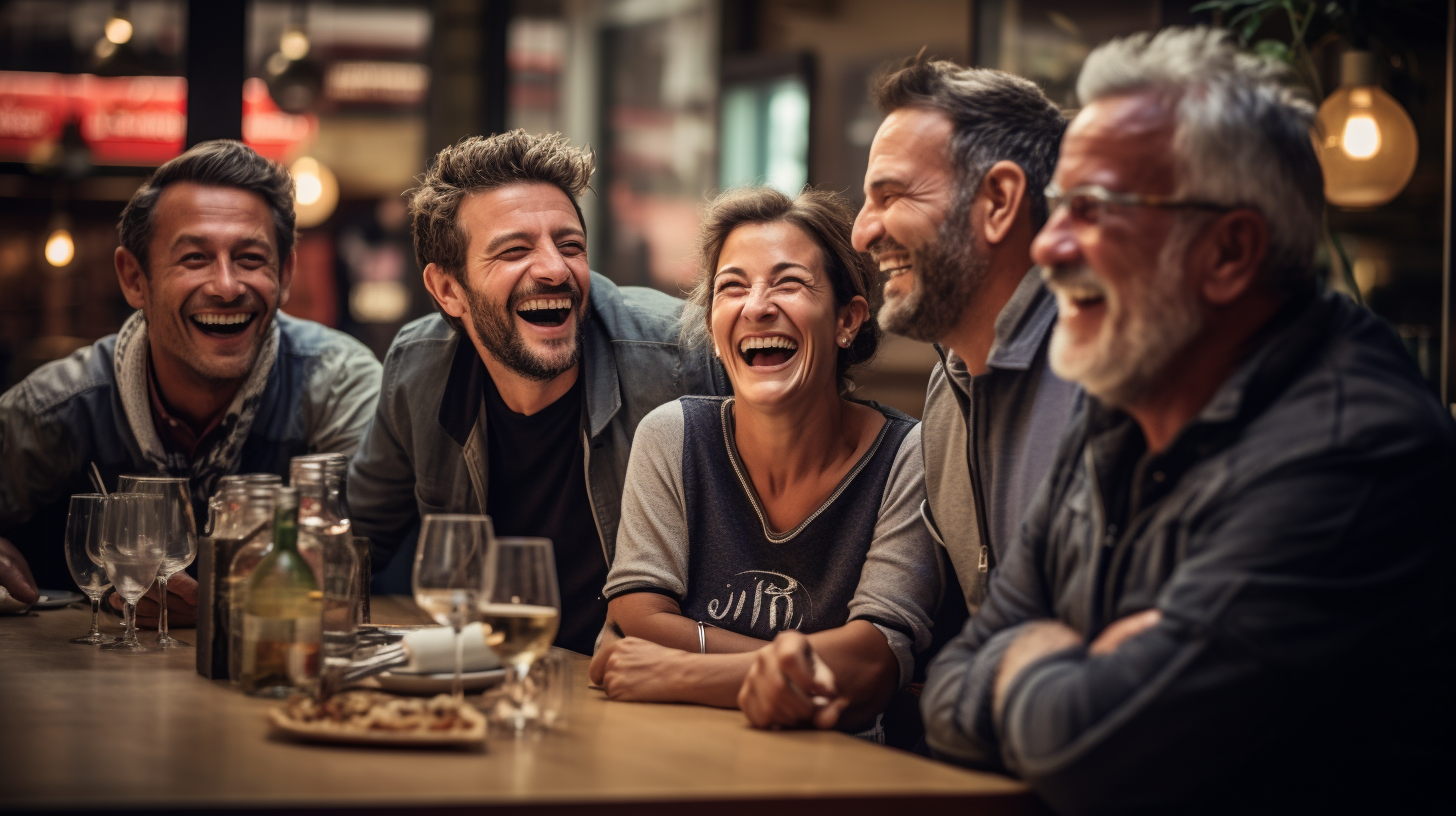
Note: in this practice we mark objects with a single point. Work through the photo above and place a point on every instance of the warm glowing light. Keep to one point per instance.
(293, 44)
(1361, 139)
(59, 248)
(118, 30)
(315, 191)
(1366, 141)
(308, 188)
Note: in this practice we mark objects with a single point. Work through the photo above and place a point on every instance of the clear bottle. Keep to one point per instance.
(244, 528)
(326, 540)
(281, 618)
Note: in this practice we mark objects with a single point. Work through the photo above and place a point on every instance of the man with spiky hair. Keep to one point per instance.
(1232, 594)
(205, 379)
(519, 400)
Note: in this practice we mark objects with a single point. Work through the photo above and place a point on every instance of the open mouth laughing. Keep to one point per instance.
(223, 325)
(767, 352)
(1077, 290)
(545, 311)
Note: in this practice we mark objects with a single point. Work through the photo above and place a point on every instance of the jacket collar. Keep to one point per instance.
(1021, 328)
(464, 398)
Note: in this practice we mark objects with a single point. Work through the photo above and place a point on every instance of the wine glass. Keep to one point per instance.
(180, 532)
(521, 610)
(83, 556)
(450, 573)
(132, 549)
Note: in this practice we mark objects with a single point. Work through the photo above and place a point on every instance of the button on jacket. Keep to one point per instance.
(1296, 538)
(426, 453)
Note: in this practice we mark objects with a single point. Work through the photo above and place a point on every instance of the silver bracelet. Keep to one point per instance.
(702, 638)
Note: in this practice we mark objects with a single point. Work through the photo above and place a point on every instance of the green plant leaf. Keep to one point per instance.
(1274, 49)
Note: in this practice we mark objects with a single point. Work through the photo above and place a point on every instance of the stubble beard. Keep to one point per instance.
(496, 327)
(950, 272)
(1160, 319)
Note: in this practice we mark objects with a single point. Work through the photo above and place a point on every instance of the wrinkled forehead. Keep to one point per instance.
(1124, 143)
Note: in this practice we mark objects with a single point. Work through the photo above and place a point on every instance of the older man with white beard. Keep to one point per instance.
(1228, 595)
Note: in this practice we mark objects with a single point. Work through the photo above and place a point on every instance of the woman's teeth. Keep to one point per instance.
(767, 351)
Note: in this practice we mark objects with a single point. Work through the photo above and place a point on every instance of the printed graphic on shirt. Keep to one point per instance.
(759, 600)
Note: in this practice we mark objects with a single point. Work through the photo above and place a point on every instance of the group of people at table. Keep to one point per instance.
(1170, 536)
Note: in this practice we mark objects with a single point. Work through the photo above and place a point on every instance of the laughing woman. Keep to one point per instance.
(787, 507)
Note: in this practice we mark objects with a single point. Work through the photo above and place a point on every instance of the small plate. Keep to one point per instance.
(403, 683)
(57, 598)
(330, 732)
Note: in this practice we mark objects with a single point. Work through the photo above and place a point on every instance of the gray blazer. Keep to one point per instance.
(425, 451)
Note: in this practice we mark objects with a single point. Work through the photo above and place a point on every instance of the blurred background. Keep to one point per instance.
(679, 98)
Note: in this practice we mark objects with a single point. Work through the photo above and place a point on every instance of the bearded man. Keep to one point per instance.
(953, 197)
(1231, 594)
(519, 400)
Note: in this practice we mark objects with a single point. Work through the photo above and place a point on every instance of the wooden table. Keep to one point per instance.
(82, 729)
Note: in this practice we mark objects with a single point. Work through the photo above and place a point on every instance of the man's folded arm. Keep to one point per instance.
(1299, 588)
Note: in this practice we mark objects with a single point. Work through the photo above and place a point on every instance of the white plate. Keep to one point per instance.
(57, 598)
(438, 683)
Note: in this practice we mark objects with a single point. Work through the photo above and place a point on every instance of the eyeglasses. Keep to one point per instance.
(1086, 202)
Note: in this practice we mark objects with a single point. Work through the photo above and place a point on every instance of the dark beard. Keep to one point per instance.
(950, 273)
(497, 330)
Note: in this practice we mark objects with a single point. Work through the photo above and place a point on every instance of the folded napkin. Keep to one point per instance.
(432, 651)
(10, 606)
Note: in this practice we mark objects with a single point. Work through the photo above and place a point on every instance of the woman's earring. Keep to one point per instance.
(844, 340)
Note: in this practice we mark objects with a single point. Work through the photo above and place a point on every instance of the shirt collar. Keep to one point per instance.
(1022, 324)
(177, 435)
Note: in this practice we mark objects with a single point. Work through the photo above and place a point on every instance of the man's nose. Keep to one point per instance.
(223, 283)
(551, 268)
(1056, 243)
(867, 228)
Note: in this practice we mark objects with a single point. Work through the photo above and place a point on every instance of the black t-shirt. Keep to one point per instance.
(538, 488)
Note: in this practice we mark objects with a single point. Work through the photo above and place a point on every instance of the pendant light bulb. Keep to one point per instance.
(1367, 142)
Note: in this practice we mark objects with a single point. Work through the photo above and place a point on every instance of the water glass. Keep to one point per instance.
(132, 548)
(450, 574)
(180, 533)
(83, 556)
(521, 610)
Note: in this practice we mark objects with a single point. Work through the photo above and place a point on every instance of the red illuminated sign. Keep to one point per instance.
(129, 120)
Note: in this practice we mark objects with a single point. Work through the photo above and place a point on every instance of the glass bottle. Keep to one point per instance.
(245, 529)
(281, 618)
(326, 540)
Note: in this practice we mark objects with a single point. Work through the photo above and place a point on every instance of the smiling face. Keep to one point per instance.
(1125, 306)
(916, 224)
(215, 281)
(773, 317)
(526, 278)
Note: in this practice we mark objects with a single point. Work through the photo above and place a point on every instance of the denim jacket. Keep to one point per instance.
(426, 452)
(68, 414)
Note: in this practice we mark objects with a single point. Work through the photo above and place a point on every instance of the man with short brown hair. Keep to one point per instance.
(205, 379)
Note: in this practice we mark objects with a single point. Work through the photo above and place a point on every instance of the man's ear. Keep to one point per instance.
(285, 277)
(134, 283)
(998, 203)
(446, 290)
(1230, 254)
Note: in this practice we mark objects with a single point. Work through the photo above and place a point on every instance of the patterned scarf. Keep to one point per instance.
(215, 460)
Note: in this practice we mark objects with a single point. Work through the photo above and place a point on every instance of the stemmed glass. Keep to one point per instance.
(450, 574)
(83, 556)
(521, 610)
(180, 533)
(132, 549)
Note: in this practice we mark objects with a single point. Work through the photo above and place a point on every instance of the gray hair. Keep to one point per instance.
(1242, 134)
(995, 116)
